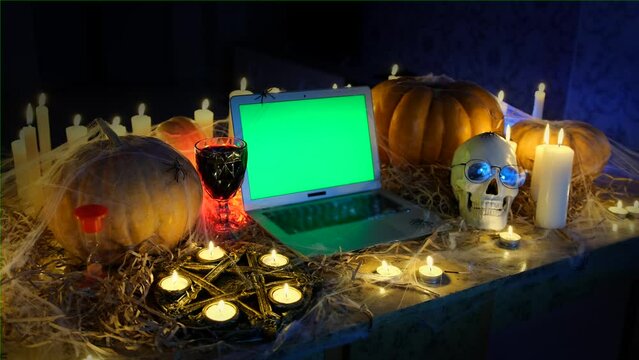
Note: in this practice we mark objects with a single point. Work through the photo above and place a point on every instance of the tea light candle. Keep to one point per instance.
(388, 270)
(618, 210)
(77, 131)
(274, 260)
(140, 123)
(502, 104)
(204, 119)
(513, 145)
(42, 119)
(286, 296)
(221, 312)
(393, 74)
(509, 238)
(175, 284)
(430, 273)
(634, 209)
(540, 97)
(117, 128)
(211, 254)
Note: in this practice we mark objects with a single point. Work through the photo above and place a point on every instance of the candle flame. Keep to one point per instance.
(211, 248)
(541, 87)
(501, 95)
(349, 85)
(560, 137)
(547, 135)
(220, 306)
(510, 230)
(29, 114)
(394, 69)
(42, 99)
(174, 277)
(508, 132)
(286, 290)
(77, 119)
(334, 86)
(384, 266)
(429, 262)
(619, 204)
(243, 83)
(116, 120)
(273, 254)
(205, 104)
(636, 204)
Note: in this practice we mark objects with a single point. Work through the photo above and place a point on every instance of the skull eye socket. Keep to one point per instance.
(478, 171)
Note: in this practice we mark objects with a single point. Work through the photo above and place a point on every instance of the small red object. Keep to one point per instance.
(90, 217)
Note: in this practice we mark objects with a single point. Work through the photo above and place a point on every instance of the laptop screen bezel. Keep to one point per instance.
(315, 194)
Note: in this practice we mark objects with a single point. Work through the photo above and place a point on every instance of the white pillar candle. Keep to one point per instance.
(537, 171)
(30, 137)
(513, 145)
(76, 132)
(618, 210)
(204, 119)
(42, 119)
(241, 91)
(274, 260)
(502, 104)
(140, 123)
(117, 127)
(430, 273)
(554, 185)
(634, 209)
(540, 97)
(393, 74)
(19, 152)
(388, 270)
(33, 194)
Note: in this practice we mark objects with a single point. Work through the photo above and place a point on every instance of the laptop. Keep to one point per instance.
(313, 179)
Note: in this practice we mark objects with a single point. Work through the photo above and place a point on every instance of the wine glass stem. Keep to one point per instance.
(223, 211)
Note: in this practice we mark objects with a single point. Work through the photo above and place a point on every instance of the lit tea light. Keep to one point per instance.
(285, 296)
(634, 209)
(430, 273)
(274, 260)
(388, 270)
(618, 210)
(175, 284)
(210, 254)
(221, 312)
(509, 238)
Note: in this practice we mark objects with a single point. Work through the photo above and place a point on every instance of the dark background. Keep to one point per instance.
(102, 59)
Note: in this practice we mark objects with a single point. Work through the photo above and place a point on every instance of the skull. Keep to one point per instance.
(485, 204)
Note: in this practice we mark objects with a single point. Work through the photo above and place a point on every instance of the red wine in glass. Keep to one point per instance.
(222, 163)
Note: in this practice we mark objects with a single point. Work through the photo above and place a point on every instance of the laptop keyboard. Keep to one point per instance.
(336, 211)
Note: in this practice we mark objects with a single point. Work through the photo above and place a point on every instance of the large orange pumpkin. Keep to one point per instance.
(422, 120)
(591, 146)
(151, 192)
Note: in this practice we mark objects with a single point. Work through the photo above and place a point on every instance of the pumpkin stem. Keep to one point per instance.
(106, 129)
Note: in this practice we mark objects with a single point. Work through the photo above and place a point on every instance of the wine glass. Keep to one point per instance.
(221, 162)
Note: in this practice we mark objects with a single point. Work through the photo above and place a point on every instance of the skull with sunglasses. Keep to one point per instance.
(485, 178)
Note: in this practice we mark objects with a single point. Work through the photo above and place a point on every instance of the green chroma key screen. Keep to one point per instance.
(303, 145)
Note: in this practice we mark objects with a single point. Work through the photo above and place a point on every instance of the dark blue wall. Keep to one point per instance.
(102, 59)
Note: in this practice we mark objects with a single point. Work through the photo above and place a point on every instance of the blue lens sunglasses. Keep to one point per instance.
(479, 171)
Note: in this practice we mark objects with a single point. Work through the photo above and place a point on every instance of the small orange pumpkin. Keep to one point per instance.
(591, 146)
(150, 190)
(181, 133)
(422, 120)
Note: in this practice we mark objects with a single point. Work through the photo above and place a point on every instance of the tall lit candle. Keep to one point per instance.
(513, 145)
(502, 104)
(140, 123)
(76, 131)
(30, 137)
(42, 119)
(538, 162)
(554, 185)
(241, 91)
(19, 152)
(393, 74)
(204, 119)
(28, 134)
(540, 97)
(117, 127)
